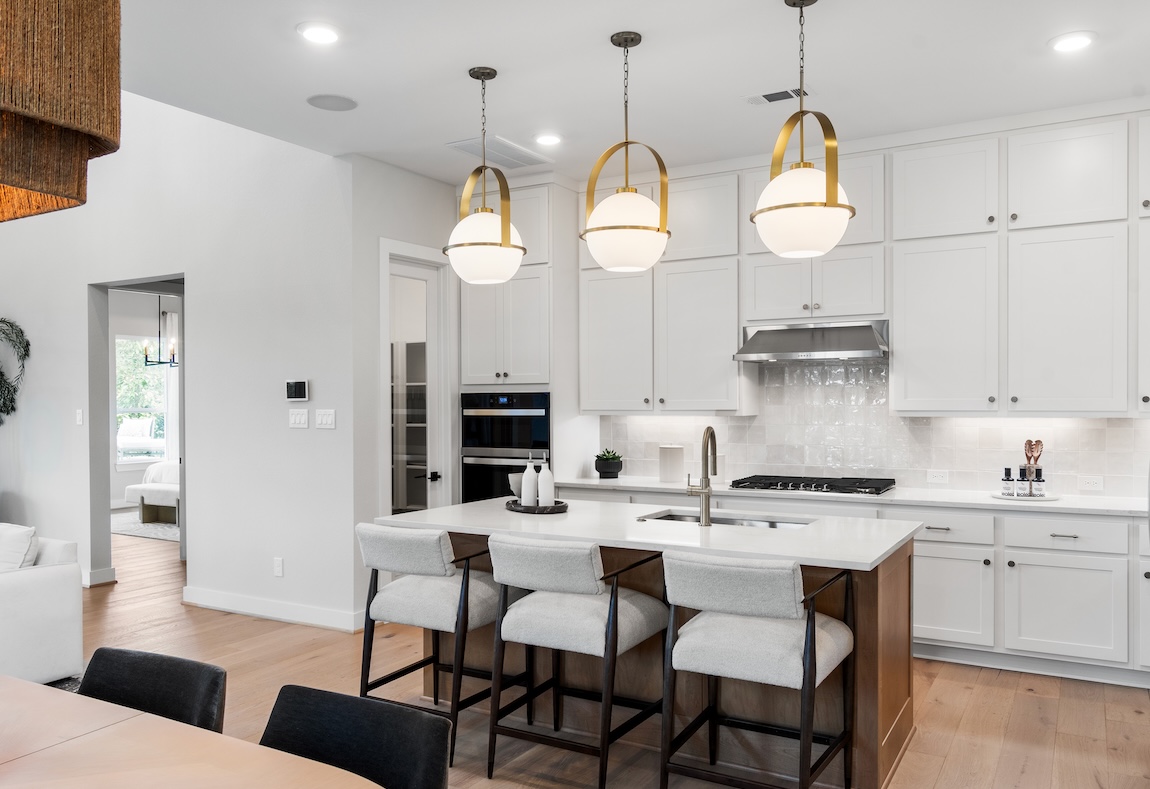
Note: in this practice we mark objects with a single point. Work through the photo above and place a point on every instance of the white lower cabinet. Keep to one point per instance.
(1143, 582)
(954, 593)
(1066, 604)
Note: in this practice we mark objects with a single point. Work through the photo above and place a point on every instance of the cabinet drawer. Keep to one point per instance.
(1067, 535)
(792, 507)
(1144, 539)
(947, 526)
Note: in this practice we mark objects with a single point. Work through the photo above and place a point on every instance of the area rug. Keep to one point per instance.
(128, 522)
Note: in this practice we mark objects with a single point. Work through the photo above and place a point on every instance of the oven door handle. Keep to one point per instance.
(505, 412)
(515, 462)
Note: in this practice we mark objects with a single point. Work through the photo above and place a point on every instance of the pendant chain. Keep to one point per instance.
(483, 138)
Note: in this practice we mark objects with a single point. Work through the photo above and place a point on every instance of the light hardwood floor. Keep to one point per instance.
(976, 727)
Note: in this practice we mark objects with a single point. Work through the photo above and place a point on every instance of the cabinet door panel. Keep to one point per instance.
(702, 215)
(1143, 582)
(615, 341)
(848, 281)
(945, 190)
(775, 288)
(1068, 175)
(531, 216)
(1067, 319)
(1142, 195)
(480, 334)
(1064, 604)
(527, 326)
(696, 333)
(944, 325)
(1143, 393)
(954, 594)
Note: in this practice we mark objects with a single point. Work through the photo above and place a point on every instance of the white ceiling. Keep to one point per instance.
(874, 66)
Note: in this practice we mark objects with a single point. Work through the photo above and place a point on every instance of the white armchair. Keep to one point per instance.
(41, 616)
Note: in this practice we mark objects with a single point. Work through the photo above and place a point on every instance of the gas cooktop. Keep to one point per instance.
(816, 484)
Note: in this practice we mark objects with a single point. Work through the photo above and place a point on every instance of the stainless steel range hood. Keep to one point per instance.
(814, 341)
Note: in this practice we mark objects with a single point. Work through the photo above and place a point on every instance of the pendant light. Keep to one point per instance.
(803, 212)
(485, 248)
(161, 318)
(59, 100)
(627, 231)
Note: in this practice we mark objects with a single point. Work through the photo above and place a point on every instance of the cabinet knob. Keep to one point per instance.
(1146, 575)
(1010, 564)
(646, 399)
(507, 375)
(816, 305)
(990, 399)
(1014, 399)
(498, 375)
(990, 220)
(1146, 398)
(986, 562)
(806, 306)
(661, 401)
(1146, 203)
(1014, 217)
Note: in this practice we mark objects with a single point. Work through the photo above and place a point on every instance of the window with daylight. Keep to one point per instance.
(146, 405)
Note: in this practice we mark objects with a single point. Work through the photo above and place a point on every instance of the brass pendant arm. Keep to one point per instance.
(504, 201)
(830, 143)
(607, 154)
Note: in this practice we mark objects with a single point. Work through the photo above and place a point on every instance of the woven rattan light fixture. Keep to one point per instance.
(59, 100)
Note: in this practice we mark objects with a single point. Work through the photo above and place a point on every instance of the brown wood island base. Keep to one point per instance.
(884, 704)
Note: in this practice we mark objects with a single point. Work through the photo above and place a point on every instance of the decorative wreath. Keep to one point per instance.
(13, 335)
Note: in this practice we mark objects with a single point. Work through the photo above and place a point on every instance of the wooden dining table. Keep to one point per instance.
(49, 737)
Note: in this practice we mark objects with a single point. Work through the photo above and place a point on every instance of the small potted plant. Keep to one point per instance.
(608, 464)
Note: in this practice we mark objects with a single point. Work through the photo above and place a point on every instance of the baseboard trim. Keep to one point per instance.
(277, 610)
(1052, 667)
(90, 578)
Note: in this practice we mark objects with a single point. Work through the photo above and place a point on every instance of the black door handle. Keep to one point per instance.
(433, 476)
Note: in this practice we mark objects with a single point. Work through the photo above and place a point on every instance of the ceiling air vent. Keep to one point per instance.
(778, 95)
(500, 153)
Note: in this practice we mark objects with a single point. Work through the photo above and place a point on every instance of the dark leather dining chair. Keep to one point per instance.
(184, 690)
(395, 746)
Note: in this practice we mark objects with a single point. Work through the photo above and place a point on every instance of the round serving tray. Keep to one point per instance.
(557, 507)
(1024, 498)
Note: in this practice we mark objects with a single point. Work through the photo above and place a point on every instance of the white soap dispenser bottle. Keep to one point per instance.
(530, 486)
(546, 485)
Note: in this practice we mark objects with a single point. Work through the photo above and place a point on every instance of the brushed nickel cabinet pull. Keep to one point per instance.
(938, 528)
(1014, 217)
(990, 220)
(1014, 399)
(817, 306)
(990, 399)
(806, 306)
(1146, 203)
(1067, 536)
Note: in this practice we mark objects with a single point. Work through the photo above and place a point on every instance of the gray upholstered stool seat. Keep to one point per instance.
(570, 609)
(431, 594)
(754, 624)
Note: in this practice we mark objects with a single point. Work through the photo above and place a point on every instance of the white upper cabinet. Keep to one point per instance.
(1143, 194)
(1067, 319)
(532, 218)
(615, 341)
(945, 190)
(861, 177)
(505, 330)
(847, 281)
(702, 215)
(585, 259)
(944, 325)
(1143, 401)
(696, 333)
(1068, 175)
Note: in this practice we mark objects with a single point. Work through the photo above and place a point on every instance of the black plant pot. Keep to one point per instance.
(609, 469)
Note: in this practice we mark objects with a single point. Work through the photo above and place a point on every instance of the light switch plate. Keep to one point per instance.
(325, 419)
(297, 418)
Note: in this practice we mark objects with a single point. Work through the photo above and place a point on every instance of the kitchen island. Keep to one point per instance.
(877, 551)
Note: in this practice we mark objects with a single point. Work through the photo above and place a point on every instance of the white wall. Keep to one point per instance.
(264, 234)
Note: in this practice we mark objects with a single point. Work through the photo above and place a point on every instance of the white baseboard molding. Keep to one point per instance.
(90, 578)
(278, 610)
(1029, 664)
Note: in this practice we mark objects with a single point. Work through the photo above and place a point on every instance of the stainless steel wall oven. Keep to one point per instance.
(499, 431)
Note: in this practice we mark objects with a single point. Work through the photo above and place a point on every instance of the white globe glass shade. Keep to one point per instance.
(485, 265)
(804, 232)
(625, 250)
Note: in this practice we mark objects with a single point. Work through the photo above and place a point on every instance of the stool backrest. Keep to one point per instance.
(747, 587)
(408, 551)
(547, 565)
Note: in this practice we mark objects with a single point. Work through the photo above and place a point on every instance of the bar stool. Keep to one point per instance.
(751, 626)
(431, 595)
(570, 609)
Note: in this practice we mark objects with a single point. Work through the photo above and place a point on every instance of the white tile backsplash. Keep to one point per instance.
(831, 419)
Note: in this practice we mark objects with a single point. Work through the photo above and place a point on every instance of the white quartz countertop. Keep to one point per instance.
(967, 499)
(841, 543)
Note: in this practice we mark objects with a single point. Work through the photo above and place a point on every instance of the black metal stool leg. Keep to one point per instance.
(435, 667)
(496, 680)
(529, 666)
(713, 719)
(556, 690)
(368, 633)
(456, 688)
(667, 730)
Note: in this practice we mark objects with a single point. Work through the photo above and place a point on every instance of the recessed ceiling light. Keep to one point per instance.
(332, 103)
(1072, 42)
(318, 32)
(548, 139)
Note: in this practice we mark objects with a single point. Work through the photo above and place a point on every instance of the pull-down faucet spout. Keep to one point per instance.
(709, 456)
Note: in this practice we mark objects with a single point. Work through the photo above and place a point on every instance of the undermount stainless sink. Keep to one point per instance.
(764, 522)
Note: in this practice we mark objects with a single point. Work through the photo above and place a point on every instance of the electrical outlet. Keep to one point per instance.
(278, 567)
(79, 416)
(941, 477)
(1089, 483)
